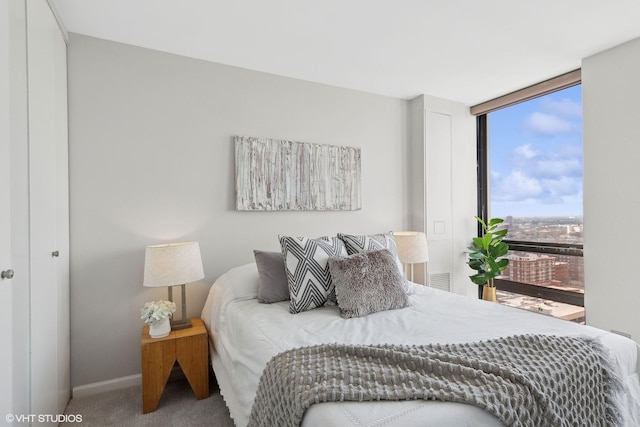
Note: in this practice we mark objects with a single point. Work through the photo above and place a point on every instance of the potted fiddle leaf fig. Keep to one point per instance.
(487, 256)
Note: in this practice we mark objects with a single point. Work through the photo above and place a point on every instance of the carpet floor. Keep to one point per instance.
(178, 407)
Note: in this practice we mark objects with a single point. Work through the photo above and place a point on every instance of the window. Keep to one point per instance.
(530, 174)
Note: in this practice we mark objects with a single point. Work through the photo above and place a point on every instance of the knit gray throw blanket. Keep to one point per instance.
(525, 380)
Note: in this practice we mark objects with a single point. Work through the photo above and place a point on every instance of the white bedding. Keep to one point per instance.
(246, 334)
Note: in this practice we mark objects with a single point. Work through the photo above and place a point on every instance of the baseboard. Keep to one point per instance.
(102, 386)
(176, 374)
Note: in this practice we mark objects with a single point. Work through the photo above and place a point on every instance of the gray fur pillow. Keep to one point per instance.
(367, 282)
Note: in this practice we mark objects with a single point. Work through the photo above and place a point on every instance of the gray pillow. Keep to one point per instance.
(272, 286)
(367, 282)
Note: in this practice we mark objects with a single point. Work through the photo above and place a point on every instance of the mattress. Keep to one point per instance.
(246, 334)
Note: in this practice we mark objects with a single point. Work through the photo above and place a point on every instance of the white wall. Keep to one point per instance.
(151, 160)
(611, 90)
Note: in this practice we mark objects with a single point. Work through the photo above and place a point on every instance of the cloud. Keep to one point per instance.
(524, 152)
(565, 160)
(562, 186)
(564, 107)
(545, 173)
(539, 177)
(548, 124)
(515, 186)
(558, 167)
(557, 116)
(518, 186)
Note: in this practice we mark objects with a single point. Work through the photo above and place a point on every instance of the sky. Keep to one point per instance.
(535, 151)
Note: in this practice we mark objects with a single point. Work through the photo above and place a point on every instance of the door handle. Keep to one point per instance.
(7, 274)
(55, 254)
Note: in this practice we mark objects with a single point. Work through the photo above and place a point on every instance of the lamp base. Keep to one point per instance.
(409, 277)
(183, 322)
(180, 324)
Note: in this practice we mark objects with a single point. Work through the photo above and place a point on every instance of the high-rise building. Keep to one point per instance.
(532, 269)
(561, 273)
(576, 270)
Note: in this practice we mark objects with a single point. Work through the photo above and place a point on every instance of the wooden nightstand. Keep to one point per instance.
(189, 347)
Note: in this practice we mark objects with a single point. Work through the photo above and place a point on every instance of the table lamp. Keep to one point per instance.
(173, 264)
(412, 248)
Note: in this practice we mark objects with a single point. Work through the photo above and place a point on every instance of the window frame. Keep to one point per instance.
(481, 111)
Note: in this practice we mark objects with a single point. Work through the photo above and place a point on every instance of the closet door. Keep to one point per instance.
(6, 319)
(14, 293)
(62, 224)
(48, 194)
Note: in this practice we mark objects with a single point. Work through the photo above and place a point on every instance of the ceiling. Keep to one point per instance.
(464, 50)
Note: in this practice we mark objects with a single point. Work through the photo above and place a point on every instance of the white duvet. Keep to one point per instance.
(246, 334)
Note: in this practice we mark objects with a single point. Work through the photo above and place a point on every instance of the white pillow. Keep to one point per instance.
(237, 283)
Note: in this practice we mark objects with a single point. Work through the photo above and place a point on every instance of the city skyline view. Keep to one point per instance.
(536, 157)
(554, 229)
(565, 272)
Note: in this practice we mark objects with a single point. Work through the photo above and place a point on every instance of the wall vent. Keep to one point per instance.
(624, 334)
(440, 281)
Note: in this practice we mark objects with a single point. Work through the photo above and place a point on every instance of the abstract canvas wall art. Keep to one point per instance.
(277, 175)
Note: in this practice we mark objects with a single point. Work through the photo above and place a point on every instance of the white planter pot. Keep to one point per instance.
(160, 329)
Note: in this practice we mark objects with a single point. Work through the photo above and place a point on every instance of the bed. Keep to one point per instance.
(245, 335)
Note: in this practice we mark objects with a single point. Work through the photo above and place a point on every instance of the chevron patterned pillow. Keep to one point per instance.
(356, 244)
(307, 264)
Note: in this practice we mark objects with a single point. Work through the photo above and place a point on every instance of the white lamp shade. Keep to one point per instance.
(412, 246)
(172, 264)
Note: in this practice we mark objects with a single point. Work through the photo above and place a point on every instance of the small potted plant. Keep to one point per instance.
(487, 256)
(157, 314)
